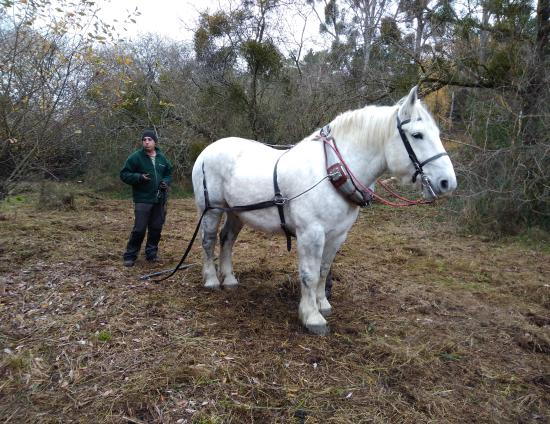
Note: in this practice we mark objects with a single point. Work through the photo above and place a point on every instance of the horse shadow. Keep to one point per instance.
(264, 298)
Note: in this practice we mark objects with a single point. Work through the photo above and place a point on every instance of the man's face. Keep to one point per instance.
(148, 144)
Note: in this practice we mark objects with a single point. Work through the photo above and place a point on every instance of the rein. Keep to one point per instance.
(328, 140)
(279, 200)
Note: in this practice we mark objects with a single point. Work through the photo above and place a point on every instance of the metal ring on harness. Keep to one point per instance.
(280, 200)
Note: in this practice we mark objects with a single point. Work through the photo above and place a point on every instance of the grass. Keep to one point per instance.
(429, 325)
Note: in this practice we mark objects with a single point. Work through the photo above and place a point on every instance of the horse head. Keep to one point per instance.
(415, 153)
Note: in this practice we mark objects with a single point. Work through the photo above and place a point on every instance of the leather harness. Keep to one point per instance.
(278, 200)
(338, 173)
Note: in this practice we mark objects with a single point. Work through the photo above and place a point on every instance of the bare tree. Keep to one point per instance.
(43, 54)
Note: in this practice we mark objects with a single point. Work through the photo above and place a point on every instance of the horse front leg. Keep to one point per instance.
(228, 235)
(310, 249)
(329, 252)
(209, 227)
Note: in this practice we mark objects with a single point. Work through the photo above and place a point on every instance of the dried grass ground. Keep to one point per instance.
(428, 326)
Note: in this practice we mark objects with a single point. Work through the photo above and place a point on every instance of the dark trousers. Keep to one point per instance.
(148, 218)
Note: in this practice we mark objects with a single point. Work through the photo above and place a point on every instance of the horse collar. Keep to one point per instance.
(339, 173)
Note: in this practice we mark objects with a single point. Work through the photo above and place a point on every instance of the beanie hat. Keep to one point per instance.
(150, 133)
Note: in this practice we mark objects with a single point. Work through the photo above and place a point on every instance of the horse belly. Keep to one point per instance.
(244, 189)
(266, 220)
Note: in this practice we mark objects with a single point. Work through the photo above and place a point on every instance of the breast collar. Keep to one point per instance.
(339, 173)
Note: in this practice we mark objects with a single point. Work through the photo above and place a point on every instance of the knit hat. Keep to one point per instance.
(149, 133)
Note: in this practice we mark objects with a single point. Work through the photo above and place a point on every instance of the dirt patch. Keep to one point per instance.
(428, 326)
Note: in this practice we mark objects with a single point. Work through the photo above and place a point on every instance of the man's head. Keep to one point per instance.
(149, 140)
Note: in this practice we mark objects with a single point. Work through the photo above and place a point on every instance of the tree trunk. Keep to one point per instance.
(536, 85)
(484, 35)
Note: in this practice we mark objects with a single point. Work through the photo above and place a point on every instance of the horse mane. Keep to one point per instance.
(371, 124)
(374, 124)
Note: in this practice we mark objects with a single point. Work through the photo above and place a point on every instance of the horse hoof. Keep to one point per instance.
(230, 283)
(212, 287)
(325, 312)
(318, 329)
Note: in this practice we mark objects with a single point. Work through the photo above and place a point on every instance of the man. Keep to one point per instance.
(149, 173)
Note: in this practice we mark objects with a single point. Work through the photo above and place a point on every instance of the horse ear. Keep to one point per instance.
(405, 111)
(413, 95)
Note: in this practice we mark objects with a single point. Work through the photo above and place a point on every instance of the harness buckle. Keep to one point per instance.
(279, 200)
(337, 175)
(325, 131)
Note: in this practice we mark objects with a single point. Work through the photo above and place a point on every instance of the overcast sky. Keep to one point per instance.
(170, 18)
(175, 18)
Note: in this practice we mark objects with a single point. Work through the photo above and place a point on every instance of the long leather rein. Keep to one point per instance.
(279, 200)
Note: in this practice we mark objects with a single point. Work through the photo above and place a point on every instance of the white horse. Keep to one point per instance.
(237, 171)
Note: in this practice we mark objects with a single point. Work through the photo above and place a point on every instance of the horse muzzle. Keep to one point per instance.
(442, 187)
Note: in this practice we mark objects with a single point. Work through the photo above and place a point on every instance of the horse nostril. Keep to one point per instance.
(444, 184)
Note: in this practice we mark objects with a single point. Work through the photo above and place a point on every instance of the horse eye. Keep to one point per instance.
(418, 136)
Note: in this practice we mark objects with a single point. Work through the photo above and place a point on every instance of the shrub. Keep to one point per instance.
(56, 196)
(506, 191)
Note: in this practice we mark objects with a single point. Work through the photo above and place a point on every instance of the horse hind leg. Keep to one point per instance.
(209, 227)
(228, 235)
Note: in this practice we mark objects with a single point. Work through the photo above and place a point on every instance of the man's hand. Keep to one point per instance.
(144, 178)
(163, 186)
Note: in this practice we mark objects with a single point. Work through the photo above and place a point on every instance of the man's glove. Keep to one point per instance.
(143, 178)
(163, 186)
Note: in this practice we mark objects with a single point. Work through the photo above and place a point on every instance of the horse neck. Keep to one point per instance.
(361, 136)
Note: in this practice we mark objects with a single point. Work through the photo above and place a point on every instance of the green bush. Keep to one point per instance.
(56, 196)
(506, 191)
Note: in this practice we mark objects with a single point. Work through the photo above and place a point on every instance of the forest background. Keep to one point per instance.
(74, 97)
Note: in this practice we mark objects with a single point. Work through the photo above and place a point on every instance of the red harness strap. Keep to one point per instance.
(341, 171)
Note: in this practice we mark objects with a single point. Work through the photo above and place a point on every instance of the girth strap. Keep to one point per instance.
(278, 200)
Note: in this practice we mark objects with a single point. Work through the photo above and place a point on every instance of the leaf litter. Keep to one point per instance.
(428, 325)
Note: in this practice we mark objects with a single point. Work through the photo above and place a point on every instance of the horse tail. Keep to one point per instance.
(198, 176)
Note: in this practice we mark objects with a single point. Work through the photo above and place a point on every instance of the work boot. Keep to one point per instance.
(129, 262)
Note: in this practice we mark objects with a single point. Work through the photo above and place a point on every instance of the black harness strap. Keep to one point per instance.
(278, 200)
(409, 148)
(429, 160)
(184, 257)
(417, 164)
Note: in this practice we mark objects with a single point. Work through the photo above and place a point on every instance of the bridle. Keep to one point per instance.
(330, 142)
(417, 164)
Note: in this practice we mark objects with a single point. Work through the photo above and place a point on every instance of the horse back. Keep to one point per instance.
(237, 170)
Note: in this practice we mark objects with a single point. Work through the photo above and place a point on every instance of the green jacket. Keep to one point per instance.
(139, 163)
